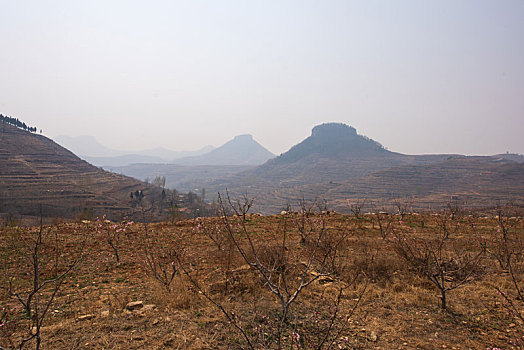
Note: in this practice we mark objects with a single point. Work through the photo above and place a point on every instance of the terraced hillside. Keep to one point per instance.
(475, 182)
(36, 172)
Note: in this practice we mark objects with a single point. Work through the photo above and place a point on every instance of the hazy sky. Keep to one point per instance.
(417, 76)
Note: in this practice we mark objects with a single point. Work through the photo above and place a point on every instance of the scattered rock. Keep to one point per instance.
(156, 321)
(325, 280)
(134, 305)
(245, 267)
(373, 336)
(149, 307)
(85, 317)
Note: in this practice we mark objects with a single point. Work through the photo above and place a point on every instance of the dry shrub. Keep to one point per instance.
(179, 297)
(379, 268)
(118, 299)
(371, 258)
(273, 257)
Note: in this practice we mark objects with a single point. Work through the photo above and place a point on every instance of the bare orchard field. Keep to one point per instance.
(301, 280)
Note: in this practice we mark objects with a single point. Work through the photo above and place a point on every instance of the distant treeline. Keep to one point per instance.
(16, 122)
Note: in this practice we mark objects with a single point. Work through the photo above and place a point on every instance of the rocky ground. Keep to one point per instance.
(364, 294)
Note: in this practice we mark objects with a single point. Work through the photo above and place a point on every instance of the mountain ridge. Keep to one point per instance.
(88, 148)
(335, 158)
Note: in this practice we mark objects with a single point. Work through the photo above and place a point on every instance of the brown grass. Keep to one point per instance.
(400, 309)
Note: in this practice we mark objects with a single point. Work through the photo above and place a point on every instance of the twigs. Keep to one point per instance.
(284, 272)
(230, 317)
(161, 263)
(112, 233)
(37, 298)
(437, 260)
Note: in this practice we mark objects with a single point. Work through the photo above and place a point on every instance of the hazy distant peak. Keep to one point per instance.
(86, 145)
(241, 150)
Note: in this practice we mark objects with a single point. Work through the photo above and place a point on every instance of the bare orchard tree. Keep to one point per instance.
(505, 244)
(36, 288)
(384, 221)
(285, 275)
(442, 260)
(404, 206)
(507, 247)
(302, 219)
(356, 207)
(160, 263)
(112, 233)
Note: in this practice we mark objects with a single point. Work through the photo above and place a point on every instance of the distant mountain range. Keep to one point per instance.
(89, 149)
(190, 173)
(337, 164)
(334, 164)
(242, 150)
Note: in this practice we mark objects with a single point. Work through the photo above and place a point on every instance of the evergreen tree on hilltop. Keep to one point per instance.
(16, 122)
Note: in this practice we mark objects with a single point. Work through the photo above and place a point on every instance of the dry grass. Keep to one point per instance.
(400, 309)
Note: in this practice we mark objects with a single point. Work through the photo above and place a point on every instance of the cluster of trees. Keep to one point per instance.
(16, 122)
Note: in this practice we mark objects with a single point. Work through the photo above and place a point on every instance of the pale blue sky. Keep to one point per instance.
(417, 76)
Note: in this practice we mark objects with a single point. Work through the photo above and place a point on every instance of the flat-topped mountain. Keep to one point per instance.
(241, 150)
(36, 172)
(333, 141)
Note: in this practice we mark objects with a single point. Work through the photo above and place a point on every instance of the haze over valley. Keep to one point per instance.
(335, 165)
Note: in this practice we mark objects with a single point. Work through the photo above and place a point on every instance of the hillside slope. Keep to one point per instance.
(36, 172)
(475, 182)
